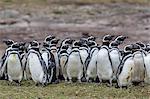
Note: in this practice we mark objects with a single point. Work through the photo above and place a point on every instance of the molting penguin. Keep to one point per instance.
(13, 64)
(49, 60)
(104, 66)
(139, 66)
(63, 60)
(37, 65)
(75, 65)
(53, 50)
(125, 70)
(91, 61)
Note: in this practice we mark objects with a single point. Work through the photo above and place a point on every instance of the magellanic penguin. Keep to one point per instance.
(84, 53)
(54, 51)
(147, 64)
(37, 65)
(125, 70)
(139, 66)
(104, 66)
(13, 64)
(8, 43)
(75, 65)
(49, 38)
(91, 61)
(63, 60)
(115, 54)
(49, 60)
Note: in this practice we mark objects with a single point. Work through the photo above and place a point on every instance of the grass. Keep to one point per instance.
(28, 90)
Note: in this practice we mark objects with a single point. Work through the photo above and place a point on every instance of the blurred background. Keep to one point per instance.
(27, 20)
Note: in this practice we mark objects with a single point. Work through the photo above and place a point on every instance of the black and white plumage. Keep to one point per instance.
(12, 65)
(125, 70)
(75, 65)
(104, 66)
(139, 69)
(63, 60)
(91, 61)
(37, 66)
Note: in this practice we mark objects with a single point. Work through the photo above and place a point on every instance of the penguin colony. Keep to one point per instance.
(83, 60)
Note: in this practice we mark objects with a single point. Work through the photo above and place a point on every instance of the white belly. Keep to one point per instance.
(103, 65)
(125, 75)
(14, 68)
(91, 69)
(35, 67)
(74, 64)
(84, 55)
(115, 59)
(139, 70)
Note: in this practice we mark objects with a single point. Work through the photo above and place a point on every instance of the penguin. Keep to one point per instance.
(37, 65)
(105, 70)
(139, 66)
(49, 60)
(75, 65)
(63, 60)
(90, 62)
(125, 69)
(115, 56)
(8, 43)
(84, 53)
(53, 50)
(147, 64)
(13, 64)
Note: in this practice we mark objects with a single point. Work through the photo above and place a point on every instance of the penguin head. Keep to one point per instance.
(15, 46)
(34, 44)
(114, 44)
(128, 48)
(83, 40)
(92, 38)
(45, 45)
(65, 47)
(55, 41)
(91, 43)
(107, 38)
(67, 41)
(22, 47)
(76, 44)
(142, 45)
(135, 47)
(8, 42)
(49, 38)
(121, 38)
(147, 49)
